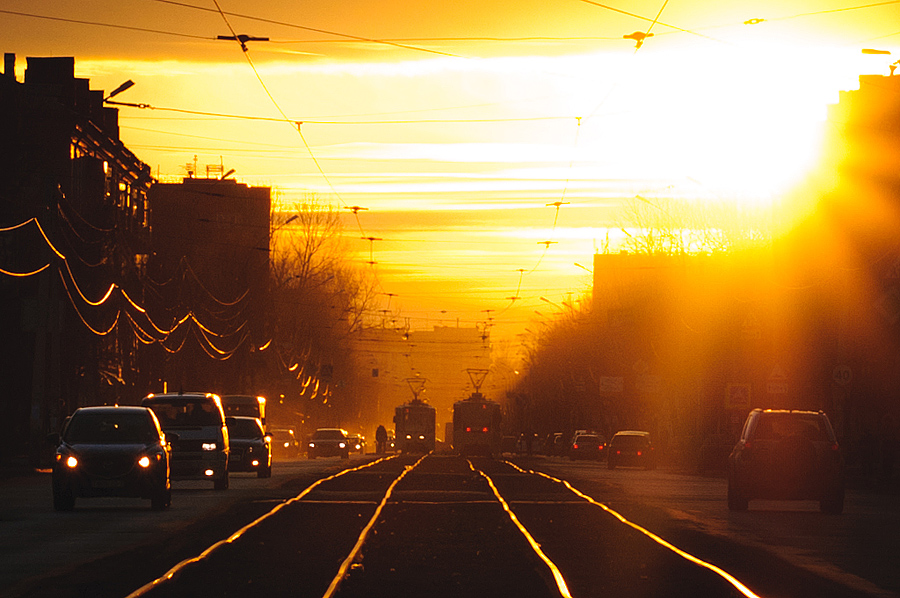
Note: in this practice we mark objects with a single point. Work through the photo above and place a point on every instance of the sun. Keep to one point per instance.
(744, 123)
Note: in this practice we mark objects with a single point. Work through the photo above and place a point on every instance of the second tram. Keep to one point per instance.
(476, 426)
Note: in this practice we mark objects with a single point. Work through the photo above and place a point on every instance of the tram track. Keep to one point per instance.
(441, 526)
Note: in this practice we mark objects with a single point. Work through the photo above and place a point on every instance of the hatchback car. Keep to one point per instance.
(251, 448)
(631, 448)
(587, 446)
(112, 451)
(328, 442)
(786, 455)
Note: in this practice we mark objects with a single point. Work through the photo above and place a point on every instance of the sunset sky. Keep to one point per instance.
(456, 123)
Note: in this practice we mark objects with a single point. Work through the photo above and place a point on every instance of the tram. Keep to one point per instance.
(414, 427)
(476, 426)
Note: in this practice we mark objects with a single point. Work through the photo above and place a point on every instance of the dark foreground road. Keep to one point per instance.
(442, 526)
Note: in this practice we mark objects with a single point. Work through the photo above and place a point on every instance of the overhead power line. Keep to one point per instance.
(110, 25)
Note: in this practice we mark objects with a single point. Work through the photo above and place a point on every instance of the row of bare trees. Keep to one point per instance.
(319, 297)
(655, 343)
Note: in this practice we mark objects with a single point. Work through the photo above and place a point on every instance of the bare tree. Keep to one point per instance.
(665, 225)
(317, 298)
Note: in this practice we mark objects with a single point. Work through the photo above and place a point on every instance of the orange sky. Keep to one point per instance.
(456, 145)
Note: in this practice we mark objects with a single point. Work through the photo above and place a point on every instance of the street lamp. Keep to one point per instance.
(127, 85)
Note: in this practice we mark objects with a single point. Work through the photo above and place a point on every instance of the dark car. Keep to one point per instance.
(112, 451)
(356, 443)
(631, 448)
(587, 446)
(251, 449)
(786, 455)
(328, 442)
(284, 444)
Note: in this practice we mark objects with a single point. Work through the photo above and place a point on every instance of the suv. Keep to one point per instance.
(786, 455)
(201, 450)
(328, 442)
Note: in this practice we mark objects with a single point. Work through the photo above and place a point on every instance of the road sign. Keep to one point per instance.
(842, 374)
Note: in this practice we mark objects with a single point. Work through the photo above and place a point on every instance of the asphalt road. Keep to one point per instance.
(443, 531)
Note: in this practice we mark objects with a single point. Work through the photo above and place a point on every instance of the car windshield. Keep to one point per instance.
(244, 428)
(628, 441)
(186, 413)
(776, 426)
(586, 439)
(110, 428)
(328, 435)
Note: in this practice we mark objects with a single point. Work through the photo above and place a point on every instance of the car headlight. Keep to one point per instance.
(311, 445)
(208, 446)
(144, 461)
(71, 462)
(342, 445)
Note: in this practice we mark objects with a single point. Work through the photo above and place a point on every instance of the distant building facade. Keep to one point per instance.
(74, 220)
(439, 356)
(211, 237)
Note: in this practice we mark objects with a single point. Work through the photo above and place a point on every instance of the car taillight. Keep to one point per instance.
(484, 429)
(468, 429)
(639, 453)
(575, 446)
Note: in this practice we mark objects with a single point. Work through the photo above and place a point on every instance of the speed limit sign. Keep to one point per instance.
(842, 374)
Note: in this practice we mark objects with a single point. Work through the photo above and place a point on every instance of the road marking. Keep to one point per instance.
(697, 561)
(557, 574)
(174, 571)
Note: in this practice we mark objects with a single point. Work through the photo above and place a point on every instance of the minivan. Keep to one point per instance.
(198, 421)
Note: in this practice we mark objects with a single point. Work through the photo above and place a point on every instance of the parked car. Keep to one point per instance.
(284, 443)
(631, 448)
(201, 451)
(328, 442)
(587, 446)
(111, 451)
(786, 455)
(251, 448)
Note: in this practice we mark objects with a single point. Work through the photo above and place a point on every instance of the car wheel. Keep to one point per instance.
(63, 500)
(736, 501)
(162, 500)
(264, 472)
(221, 483)
(834, 504)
